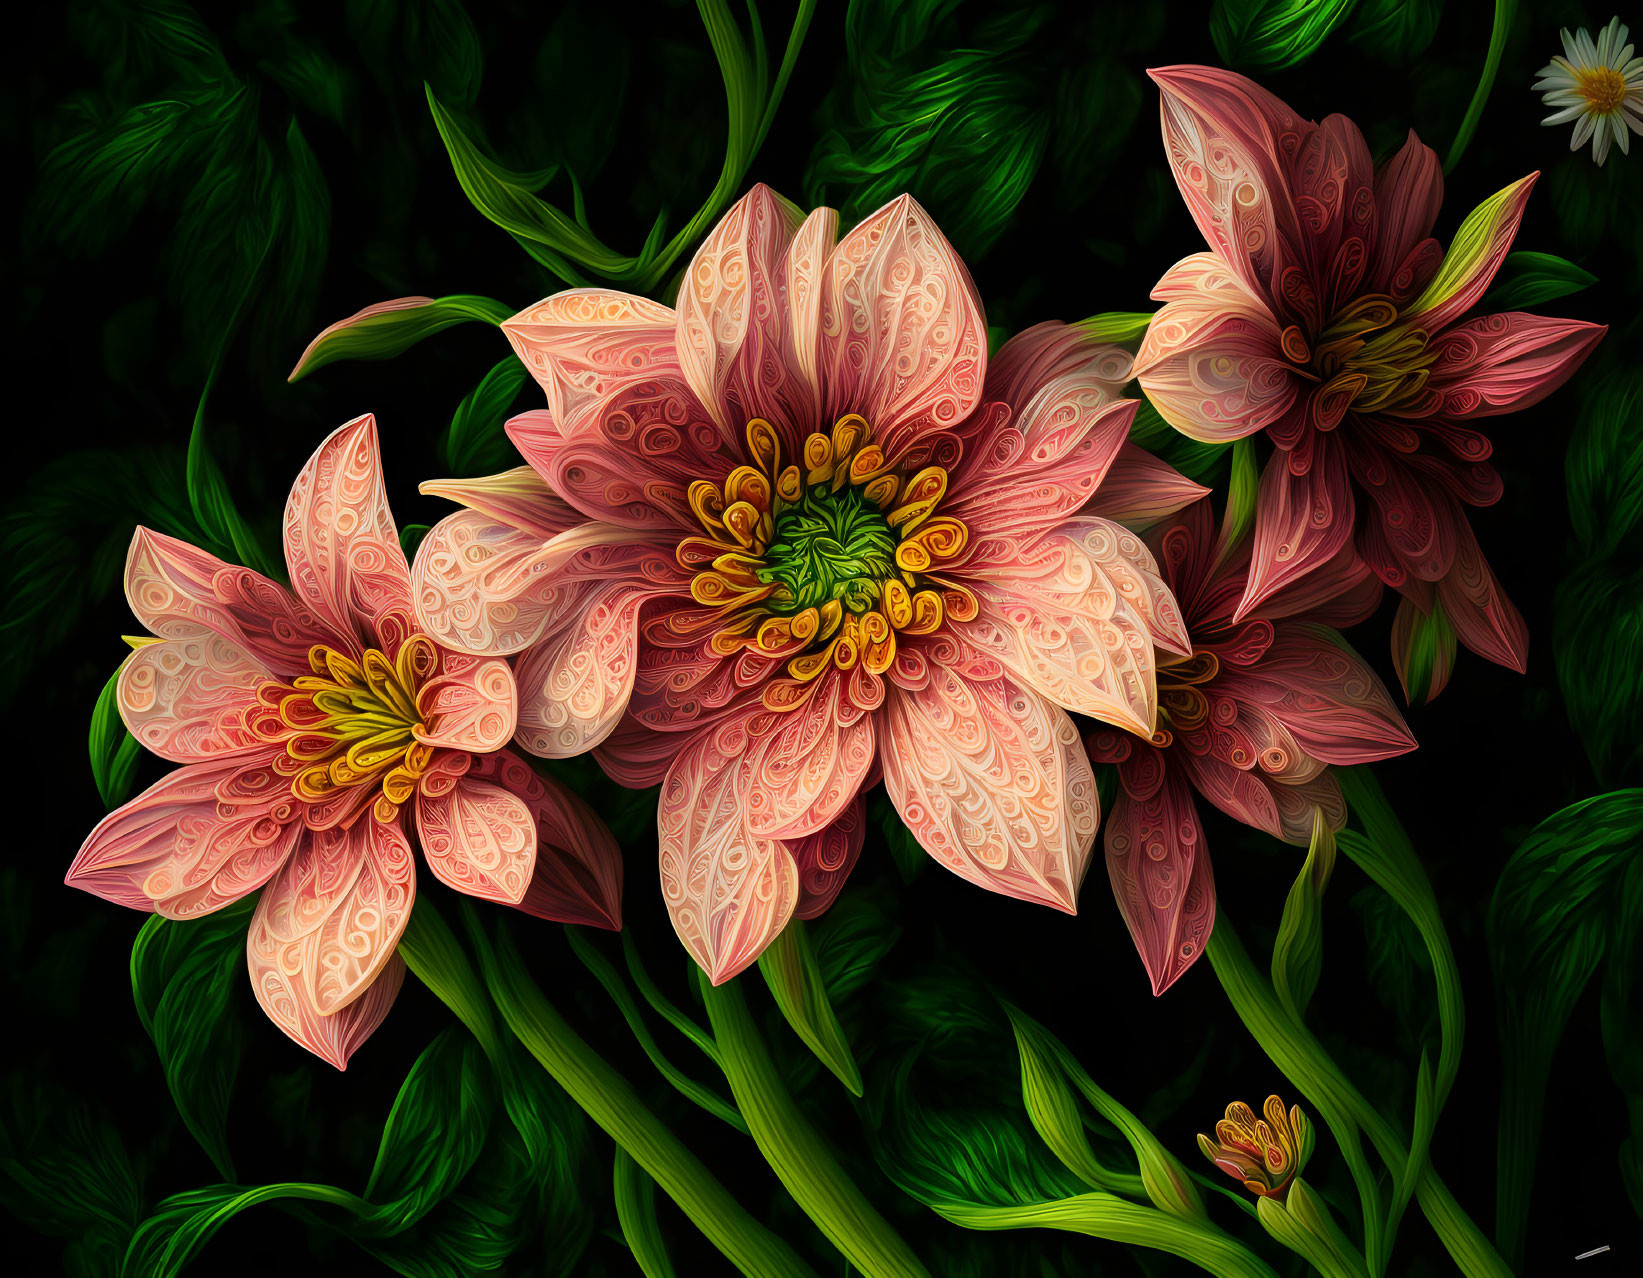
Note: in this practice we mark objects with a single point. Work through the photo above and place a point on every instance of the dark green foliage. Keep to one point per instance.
(1526, 280)
(475, 444)
(1269, 35)
(1395, 31)
(963, 103)
(114, 751)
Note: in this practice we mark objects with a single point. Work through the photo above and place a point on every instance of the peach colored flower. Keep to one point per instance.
(1326, 316)
(310, 722)
(1251, 721)
(799, 532)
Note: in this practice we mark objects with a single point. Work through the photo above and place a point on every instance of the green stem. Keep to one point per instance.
(1504, 12)
(608, 1099)
(792, 1147)
(661, 1004)
(1292, 1047)
(636, 1213)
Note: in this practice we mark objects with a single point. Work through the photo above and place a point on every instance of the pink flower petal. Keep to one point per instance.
(470, 704)
(1161, 874)
(575, 684)
(826, 858)
(904, 339)
(477, 838)
(993, 781)
(1500, 363)
(334, 1038)
(186, 699)
(519, 498)
(330, 920)
(341, 544)
(728, 891)
(731, 337)
(1301, 521)
(193, 842)
(1408, 195)
(577, 876)
(1484, 619)
(807, 763)
(1139, 490)
(1227, 140)
(1332, 177)
(179, 591)
(804, 269)
(1074, 613)
(584, 343)
(1413, 517)
(1038, 355)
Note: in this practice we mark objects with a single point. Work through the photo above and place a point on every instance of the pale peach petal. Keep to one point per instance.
(575, 684)
(341, 545)
(180, 592)
(186, 699)
(1046, 462)
(731, 334)
(330, 920)
(478, 838)
(807, 259)
(1160, 868)
(1074, 613)
(993, 781)
(334, 1038)
(1139, 490)
(728, 891)
(1038, 355)
(583, 343)
(488, 587)
(193, 842)
(807, 763)
(519, 498)
(826, 858)
(577, 876)
(904, 339)
(471, 703)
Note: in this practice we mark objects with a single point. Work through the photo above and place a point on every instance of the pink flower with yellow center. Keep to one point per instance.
(1251, 721)
(798, 533)
(311, 723)
(1325, 316)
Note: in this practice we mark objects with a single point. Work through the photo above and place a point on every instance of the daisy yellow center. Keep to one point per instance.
(1604, 88)
(352, 723)
(1182, 703)
(825, 559)
(1363, 360)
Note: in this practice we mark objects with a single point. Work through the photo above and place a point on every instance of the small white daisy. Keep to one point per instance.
(1599, 83)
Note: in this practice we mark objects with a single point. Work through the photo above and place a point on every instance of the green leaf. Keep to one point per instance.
(1529, 279)
(1303, 1224)
(410, 537)
(1424, 647)
(1269, 35)
(1116, 326)
(390, 328)
(1395, 31)
(851, 940)
(1549, 923)
(790, 969)
(1243, 485)
(1297, 956)
(1192, 458)
(634, 1192)
(474, 443)
(114, 750)
(435, 1131)
(184, 980)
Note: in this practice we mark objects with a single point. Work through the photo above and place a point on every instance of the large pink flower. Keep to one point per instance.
(310, 721)
(1324, 315)
(1252, 720)
(797, 533)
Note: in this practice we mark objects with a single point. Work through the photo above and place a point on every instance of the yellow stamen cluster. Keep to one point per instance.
(825, 559)
(352, 723)
(1365, 359)
(1182, 704)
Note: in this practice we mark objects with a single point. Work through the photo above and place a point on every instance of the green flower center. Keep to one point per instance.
(829, 545)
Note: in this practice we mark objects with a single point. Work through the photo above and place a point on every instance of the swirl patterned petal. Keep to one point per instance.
(471, 703)
(807, 763)
(334, 1038)
(1160, 870)
(993, 781)
(478, 838)
(188, 699)
(1139, 490)
(582, 344)
(193, 842)
(519, 498)
(826, 858)
(904, 340)
(1302, 520)
(341, 544)
(728, 891)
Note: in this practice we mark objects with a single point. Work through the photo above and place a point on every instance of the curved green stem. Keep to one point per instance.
(792, 1147)
(636, 1214)
(1504, 12)
(1294, 1049)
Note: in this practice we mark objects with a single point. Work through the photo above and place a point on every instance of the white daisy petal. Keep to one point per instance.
(1583, 130)
(1565, 115)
